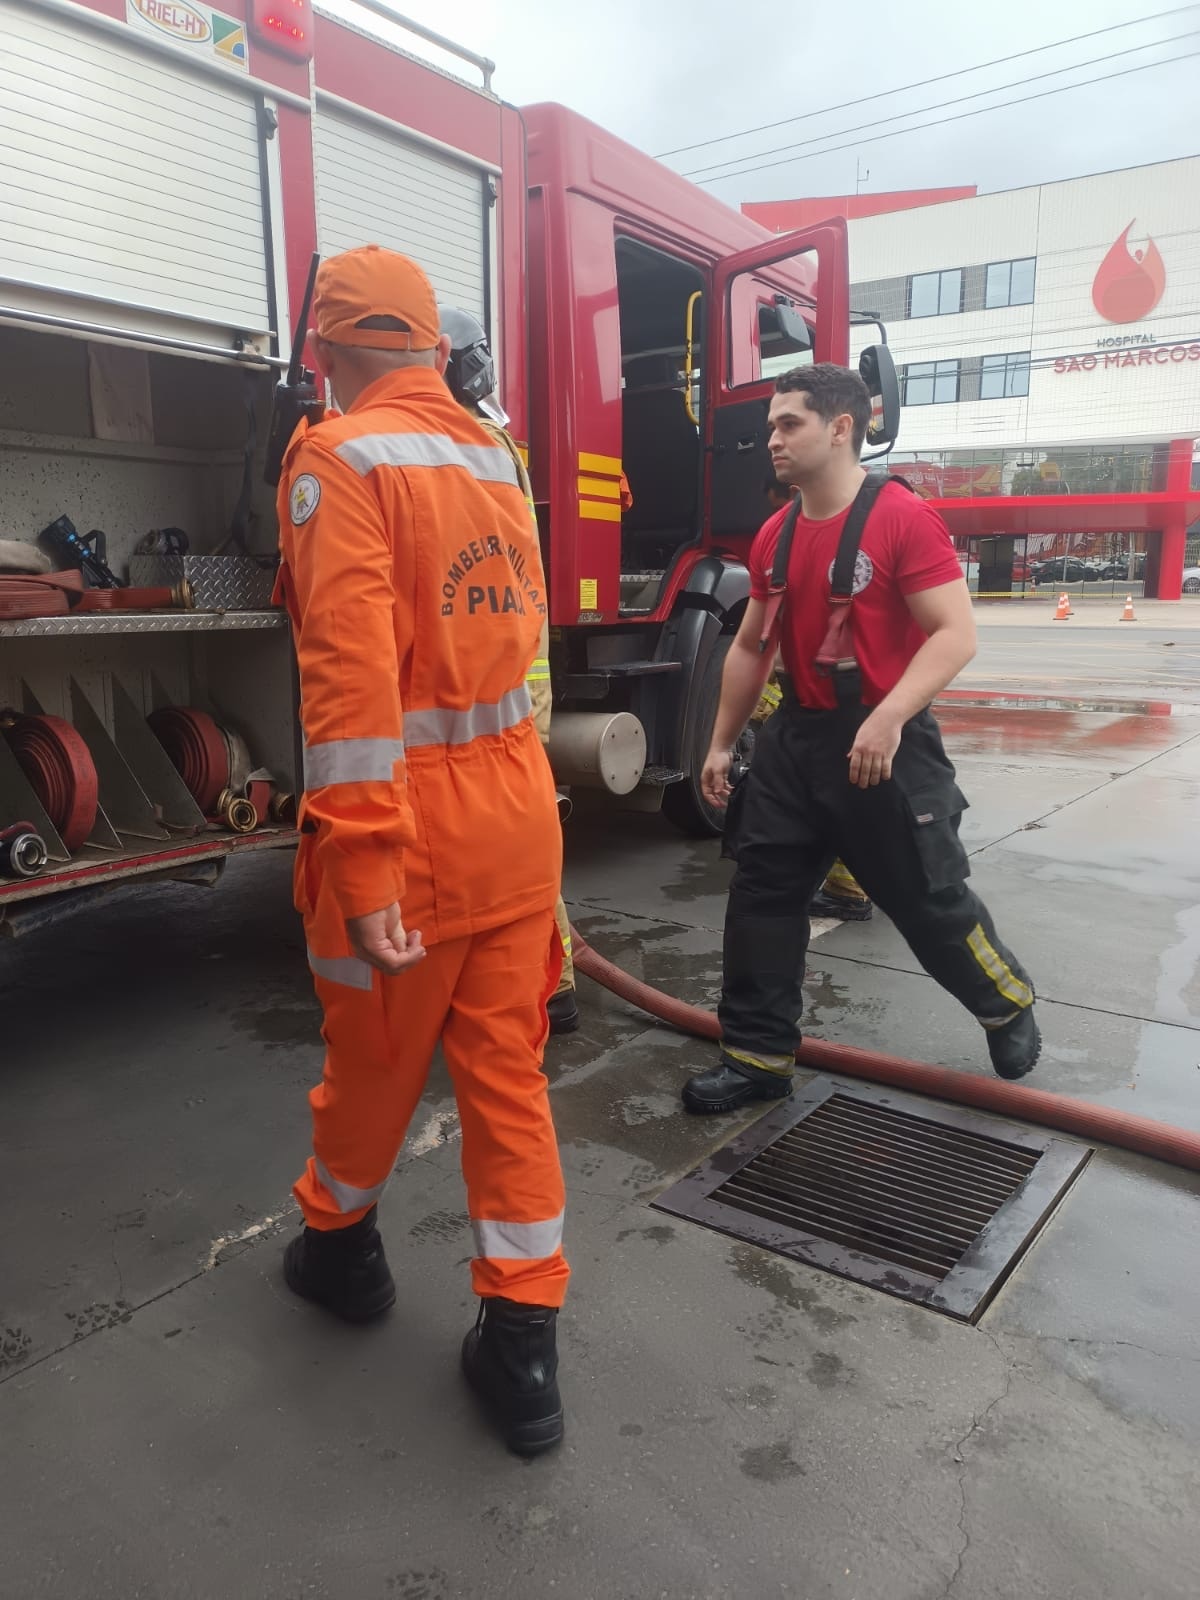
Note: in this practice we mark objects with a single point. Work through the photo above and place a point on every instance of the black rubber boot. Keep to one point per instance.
(836, 905)
(344, 1270)
(510, 1359)
(731, 1084)
(1016, 1046)
(563, 1012)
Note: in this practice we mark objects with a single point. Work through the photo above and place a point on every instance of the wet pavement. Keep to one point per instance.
(174, 1426)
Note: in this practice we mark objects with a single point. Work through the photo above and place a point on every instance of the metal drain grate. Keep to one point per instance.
(926, 1202)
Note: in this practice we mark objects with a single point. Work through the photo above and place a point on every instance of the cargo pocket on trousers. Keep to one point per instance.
(304, 873)
(733, 815)
(935, 816)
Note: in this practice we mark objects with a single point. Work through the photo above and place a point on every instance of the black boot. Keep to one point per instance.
(510, 1360)
(840, 906)
(344, 1270)
(1016, 1046)
(563, 1012)
(731, 1084)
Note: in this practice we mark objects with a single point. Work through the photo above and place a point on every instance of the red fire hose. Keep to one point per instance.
(197, 750)
(1081, 1117)
(60, 771)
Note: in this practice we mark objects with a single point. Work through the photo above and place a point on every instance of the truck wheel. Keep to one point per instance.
(683, 803)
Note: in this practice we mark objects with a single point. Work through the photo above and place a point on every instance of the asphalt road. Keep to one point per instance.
(1158, 664)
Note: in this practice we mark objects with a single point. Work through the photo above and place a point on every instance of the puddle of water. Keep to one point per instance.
(1040, 702)
(1023, 728)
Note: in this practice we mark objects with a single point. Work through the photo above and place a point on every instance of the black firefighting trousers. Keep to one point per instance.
(791, 816)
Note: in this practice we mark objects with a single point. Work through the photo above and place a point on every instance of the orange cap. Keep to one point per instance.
(371, 282)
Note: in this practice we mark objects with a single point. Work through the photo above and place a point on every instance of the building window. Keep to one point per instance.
(1004, 376)
(931, 383)
(1009, 283)
(935, 294)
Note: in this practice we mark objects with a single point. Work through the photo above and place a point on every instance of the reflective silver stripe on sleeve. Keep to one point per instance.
(350, 761)
(346, 970)
(440, 725)
(518, 1241)
(347, 1196)
(487, 462)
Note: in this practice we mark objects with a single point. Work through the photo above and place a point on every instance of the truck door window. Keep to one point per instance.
(660, 438)
(769, 327)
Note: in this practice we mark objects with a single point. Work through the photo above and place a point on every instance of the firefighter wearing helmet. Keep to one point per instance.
(471, 374)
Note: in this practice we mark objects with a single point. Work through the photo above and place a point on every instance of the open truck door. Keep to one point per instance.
(779, 304)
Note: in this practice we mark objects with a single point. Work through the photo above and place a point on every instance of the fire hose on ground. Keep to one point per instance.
(1061, 1112)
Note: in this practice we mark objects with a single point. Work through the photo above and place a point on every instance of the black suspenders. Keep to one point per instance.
(835, 659)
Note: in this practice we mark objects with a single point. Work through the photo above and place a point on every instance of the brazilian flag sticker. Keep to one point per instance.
(229, 40)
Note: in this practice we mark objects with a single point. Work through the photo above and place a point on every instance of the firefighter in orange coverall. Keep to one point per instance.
(430, 850)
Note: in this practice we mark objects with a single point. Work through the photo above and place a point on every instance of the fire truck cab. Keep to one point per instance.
(658, 319)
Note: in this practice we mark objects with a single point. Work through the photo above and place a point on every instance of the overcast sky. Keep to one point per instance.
(666, 73)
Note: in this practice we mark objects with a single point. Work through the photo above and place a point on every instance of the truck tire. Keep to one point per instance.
(683, 803)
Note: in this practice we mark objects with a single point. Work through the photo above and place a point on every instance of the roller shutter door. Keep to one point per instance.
(374, 187)
(128, 181)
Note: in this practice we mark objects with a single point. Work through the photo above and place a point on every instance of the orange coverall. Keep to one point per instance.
(414, 581)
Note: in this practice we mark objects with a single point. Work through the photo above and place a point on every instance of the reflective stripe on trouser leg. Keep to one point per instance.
(567, 980)
(782, 1066)
(493, 1046)
(379, 1042)
(519, 1241)
(998, 970)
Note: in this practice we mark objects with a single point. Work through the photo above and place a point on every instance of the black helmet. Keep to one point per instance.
(471, 372)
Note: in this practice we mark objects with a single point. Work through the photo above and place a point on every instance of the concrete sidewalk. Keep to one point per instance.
(175, 1426)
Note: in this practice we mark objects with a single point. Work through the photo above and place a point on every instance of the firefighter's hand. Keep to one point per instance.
(379, 939)
(872, 751)
(714, 780)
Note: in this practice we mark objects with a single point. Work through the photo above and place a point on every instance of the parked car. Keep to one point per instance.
(1063, 569)
(1191, 580)
(1119, 566)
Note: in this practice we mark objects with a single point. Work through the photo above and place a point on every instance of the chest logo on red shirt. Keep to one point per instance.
(864, 571)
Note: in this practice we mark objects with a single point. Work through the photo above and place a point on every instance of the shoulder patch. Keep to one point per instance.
(304, 498)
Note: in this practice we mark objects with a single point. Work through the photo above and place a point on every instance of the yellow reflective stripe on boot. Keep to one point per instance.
(842, 882)
(1006, 981)
(781, 1066)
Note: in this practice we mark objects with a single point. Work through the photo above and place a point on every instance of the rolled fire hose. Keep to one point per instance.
(59, 770)
(197, 750)
(1081, 1117)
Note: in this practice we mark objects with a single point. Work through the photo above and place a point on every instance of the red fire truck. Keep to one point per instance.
(169, 170)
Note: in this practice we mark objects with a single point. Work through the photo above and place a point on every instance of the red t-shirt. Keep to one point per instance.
(906, 547)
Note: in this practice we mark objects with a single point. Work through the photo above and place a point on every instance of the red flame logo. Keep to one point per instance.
(1129, 284)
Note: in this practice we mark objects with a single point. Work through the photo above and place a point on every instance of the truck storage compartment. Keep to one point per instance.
(131, 442)
(133, 181)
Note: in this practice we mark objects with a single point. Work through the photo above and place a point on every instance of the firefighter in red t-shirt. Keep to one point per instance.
(863, 778)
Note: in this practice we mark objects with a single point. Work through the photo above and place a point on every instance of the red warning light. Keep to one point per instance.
(285, 26)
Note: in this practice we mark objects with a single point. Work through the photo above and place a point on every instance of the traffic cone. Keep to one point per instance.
(1127, 615)
(1063, 609)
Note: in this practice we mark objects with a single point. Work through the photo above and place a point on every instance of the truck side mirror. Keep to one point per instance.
(878, 372)
(797, 335)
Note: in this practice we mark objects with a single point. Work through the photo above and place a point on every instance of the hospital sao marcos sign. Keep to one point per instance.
(1127, 286)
